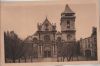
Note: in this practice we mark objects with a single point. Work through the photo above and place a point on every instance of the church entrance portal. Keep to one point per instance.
(47, 53)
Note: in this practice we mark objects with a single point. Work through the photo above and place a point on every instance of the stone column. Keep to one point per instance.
(52, 50)
(55, 53)
(39, 51)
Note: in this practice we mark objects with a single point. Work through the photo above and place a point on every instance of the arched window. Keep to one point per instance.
(69, 37)
(46, 38)
(35, 40)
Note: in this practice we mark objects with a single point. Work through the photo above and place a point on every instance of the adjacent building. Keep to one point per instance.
(88, 46)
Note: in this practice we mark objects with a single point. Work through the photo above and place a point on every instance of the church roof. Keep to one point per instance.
(36, 33)
(46, 21)
(68, 9)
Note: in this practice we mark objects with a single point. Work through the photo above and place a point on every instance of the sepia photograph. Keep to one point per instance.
(49, 32)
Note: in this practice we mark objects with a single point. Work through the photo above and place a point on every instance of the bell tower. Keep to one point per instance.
(68, 24)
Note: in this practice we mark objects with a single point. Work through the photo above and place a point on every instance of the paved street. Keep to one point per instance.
(80, 58)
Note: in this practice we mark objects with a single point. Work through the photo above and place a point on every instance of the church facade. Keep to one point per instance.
(47, 41)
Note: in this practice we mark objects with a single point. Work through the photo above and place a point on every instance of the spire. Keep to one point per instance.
(68, 9)
(46, 18)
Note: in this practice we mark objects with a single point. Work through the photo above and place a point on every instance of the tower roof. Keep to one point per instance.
(68, 9)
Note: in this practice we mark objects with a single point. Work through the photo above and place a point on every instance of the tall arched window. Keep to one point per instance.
(69, 37)
(68, 23)
(46, 38)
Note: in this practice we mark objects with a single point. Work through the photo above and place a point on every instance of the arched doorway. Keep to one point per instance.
(47, 46)
(47, 51)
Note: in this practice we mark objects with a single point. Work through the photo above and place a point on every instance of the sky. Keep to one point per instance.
(22, 17)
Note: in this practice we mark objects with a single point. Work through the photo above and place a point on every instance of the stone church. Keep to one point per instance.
(44, 40)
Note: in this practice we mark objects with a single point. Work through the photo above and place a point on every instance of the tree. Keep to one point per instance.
(12, 45)
(59, 48)
(69, 51)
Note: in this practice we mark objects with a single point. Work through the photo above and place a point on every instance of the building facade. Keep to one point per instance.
(44, 41)
(88, 46)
